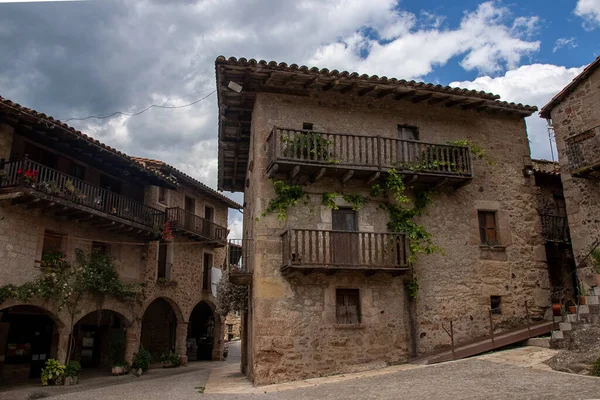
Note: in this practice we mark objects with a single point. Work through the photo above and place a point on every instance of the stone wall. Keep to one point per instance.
(235, 320)
(578, 113)
(293, 334)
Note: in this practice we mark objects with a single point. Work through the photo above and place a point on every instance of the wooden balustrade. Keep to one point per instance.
(371, 153)
(58, 184)
(344, 249)
(555, 228)
(201, 228)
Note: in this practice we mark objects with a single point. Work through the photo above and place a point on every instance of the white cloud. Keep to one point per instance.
(487, 39)
(564, 42)
(532, 84)
(589, 10)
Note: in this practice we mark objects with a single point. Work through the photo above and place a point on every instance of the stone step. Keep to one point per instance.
(557, 335)
(584, 309)
(591, 300)
(564, 326)
(595, 291)
(538, 342)
(571, 318)
(558, 319)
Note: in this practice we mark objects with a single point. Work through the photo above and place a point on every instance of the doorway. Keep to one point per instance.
(190, 207)
(207, 266)
(344, 236)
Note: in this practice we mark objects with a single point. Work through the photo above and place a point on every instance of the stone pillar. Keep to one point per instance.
(181, 341)
(133, 335)
(217, 353)
(63, 344)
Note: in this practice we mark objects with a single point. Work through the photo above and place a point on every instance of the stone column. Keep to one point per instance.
(181, 341)
(217, 353)
(132, 338)
(63, 344)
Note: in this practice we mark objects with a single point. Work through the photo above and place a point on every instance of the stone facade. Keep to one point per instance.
(22, 235)
(293, 332)
(577, 114)
(234, 320)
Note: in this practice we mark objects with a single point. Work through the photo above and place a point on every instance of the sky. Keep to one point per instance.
(94, 57)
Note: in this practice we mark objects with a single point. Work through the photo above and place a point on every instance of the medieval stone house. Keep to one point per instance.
(332, 284)
(574, 113)
(86, 195)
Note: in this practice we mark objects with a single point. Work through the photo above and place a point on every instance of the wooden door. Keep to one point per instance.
(209, 215)
(344, 237)
(190, 207)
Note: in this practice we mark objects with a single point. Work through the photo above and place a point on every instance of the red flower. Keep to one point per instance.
(19, 171)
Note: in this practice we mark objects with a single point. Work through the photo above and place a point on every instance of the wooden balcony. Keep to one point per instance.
(65, 196)
(583, 153)
(310, 250)
(293, 152)
(555, 228)
(237, 261)
(195, 227)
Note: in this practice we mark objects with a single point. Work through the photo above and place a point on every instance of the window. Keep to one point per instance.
(99, 248)
(406, 132)
(209, 213)
(495, 304)
(307, 126)
(162, 195)
(206, 281)
(78, 171)
(162, 260)
(347, 307)
(488, 231)
(561, 207)
(229, 328)
(53, 241)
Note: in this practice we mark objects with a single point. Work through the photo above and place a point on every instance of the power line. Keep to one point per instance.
(139, 112)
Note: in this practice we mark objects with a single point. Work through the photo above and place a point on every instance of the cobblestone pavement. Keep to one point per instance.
(494, 376)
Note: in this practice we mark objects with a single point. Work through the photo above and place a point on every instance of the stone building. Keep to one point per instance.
(574, 114)
(86, 195)
(233, 326)
(331, 288)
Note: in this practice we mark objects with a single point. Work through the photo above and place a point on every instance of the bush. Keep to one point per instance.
(142, 359)
(596, 370)
(73, 368)
(53, 373)
(117, 347)
(168, 357)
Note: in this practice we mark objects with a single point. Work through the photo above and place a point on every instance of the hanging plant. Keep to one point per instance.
(166, 232)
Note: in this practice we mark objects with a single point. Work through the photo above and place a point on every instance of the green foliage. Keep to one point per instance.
(479, 152)
(309, 146)
(73, 368)
(117, 343)
(356, 200)
(413, 287)
(595, 255)
(286, 196)
(53, 258)
(394, 184)
(231, 297)
(596, 369)
(170, 358)
(53, 373)
(328, 199)
(141, 360)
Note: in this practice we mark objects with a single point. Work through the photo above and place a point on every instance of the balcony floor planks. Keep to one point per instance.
(331, 269)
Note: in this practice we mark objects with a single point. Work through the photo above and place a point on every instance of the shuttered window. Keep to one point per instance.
(347, 306)
(487, 228)
(162, 260)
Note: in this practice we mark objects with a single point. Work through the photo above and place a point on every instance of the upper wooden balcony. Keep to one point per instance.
(555, 228)
(195, 227)
(237, 262)
(311, 250)
(34, 185)
(294, 152)
(583, 152)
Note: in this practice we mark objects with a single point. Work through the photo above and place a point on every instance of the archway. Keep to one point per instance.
(159, 327)
(28, 337)
(201, 333)
(98, 337)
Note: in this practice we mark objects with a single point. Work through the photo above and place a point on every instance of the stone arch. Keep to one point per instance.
(30, 334)
(204, 340)
(160, 326)
(172, 303)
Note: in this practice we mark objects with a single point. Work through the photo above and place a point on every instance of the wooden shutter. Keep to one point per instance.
(347, 306)
(162, 260)
(487, 227)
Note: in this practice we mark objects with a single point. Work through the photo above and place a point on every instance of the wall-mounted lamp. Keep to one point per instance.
(527, 172)
(234, 86)
(527, 167)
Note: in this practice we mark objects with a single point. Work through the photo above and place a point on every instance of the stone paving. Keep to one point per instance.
(511, 374)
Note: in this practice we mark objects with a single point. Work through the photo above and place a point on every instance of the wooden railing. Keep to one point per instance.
(555, 228)
(237, 256)
(367, 152)
(181, 219)
(309, 247)
(61, 185)
(583, 150)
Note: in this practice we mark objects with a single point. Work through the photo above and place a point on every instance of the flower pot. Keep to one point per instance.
(556, 309)
(183, 360)
(137, 372)
(71, 380)
(573, 309)
(118, 370)
(166, 365)
(581, 300)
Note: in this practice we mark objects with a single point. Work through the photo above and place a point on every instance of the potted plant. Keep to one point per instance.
(582, 293)
(570, 305)
(53, 373)
(117, 352)
(120, 368)
(141, 362)
(168, 359)
(72, 371)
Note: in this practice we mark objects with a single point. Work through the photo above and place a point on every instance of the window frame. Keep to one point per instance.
(496, 300)
(163, 199)
(347, 318)
(484, 228)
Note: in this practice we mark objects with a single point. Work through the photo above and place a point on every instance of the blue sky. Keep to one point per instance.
(95, 57)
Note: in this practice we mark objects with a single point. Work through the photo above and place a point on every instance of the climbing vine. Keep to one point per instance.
(231, 297)
(479, 152)
(286, 196)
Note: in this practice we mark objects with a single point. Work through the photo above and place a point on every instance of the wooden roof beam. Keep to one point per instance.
(402, 95)
(438, 100)
(423, 97)
(386, 92)
(456, 102)
(470, 106)
(368, 90)
(330, 85)
(348, 88)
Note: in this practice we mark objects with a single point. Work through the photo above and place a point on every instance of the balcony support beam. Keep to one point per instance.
(373, 178)
(319, 174)
(347, 176)
(294, 172)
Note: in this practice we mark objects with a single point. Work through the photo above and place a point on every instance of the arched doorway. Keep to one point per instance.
(28, 337)
(99, 339)
(201, 333)
(159, 328)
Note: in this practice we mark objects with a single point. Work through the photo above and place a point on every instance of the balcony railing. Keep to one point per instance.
(335, 250)
(238, 252)
(60, 185)
(197, 227)
(555, 228)
(369, 154)
(583, 153)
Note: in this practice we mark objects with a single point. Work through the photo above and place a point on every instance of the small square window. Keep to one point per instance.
(406, 132)
(307, 126)
(496, 304)
(347, 309)
(488, 231)
(100, 249)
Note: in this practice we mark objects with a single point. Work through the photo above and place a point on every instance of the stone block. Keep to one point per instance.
(592, 300)
(560, 319)
(595, 291)
(571, 318)
(584, 309)
(557, 335)
(539, 342)
(564, 326)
